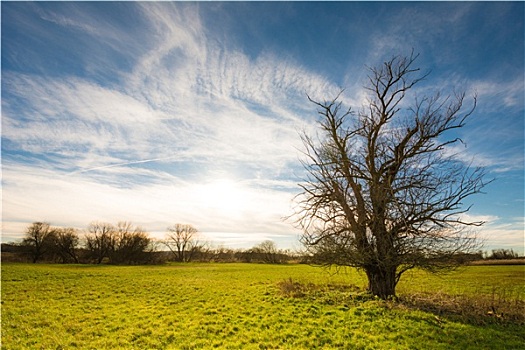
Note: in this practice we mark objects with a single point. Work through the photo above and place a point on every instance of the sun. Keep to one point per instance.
(225, 196)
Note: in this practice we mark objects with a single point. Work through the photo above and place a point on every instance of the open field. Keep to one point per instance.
(251, 306)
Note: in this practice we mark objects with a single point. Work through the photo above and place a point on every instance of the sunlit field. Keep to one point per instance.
(256, 306)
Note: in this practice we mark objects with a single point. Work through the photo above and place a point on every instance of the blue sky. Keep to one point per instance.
(161, 113)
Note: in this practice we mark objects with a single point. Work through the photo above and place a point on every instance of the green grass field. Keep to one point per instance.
(251, 306)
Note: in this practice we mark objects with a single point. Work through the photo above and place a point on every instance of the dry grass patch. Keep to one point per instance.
(295, 289)
(501, 306)
(518, 261)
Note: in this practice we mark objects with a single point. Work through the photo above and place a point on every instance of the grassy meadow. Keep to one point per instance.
(256, 306)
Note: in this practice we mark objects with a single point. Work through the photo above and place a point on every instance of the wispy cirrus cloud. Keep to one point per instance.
(506, 160)
(182, 94)
(96, 149)
(500, 94)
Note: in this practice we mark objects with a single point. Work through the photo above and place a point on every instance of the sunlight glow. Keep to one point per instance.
(227, 197)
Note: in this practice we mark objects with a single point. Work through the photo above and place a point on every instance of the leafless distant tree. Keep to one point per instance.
(383, 191)
(66, 244)
(39, 240)
(503, 254)
(268, 252)
(182, 241)
(100, 240)
(120, 244)
(131, 244)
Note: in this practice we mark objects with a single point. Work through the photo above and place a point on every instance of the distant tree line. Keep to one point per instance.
(264, 252)
(502, 254)
(101, 242)
(126, 244)
(459, 258)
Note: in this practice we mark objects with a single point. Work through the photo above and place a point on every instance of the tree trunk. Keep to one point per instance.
(381, 280)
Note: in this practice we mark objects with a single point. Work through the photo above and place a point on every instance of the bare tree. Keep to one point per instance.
(268, 252)
(39, 240)
(181, 239)
(131, 244)
(66, 244)
(383, 192)
(503, 254)
(100, 240)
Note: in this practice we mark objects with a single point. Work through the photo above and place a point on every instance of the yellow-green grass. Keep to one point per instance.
(241, 306)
